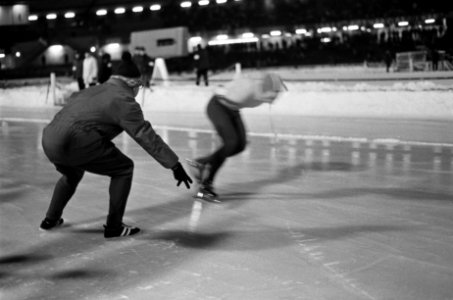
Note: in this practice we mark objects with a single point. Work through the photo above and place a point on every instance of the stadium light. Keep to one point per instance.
(32, 17)
(351, 27)
(93, 49)
(69, 15)
(55, 49)
(137, 9)
(101, 12)
(112, 47)
(196, 39)
(186, 4)
(51, 16)
(430, 21)
(232, 41)
(221, 37)
(247, 35)
(2, 55)
(403, 23)
(18, 54)
(203, 2)
(220, 1)
(378, 25)
(301, 31)
(119, 10)
(325, 30)
(155, 7)
(276, 33)
(326, 40)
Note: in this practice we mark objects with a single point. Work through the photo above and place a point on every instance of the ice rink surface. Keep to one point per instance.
(304, 216)
(325, 203)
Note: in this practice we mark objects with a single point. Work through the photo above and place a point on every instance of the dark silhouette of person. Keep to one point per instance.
(145, 64)
(105, 68)
(435, 59)
(388, 59)
(201, 59)
(77, 69)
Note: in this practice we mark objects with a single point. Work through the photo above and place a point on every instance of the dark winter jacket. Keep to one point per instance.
(84, 128)
(201, 59)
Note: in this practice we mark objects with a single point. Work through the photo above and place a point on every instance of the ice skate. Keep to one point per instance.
(48, 224)
(206, 193)
(122, 231)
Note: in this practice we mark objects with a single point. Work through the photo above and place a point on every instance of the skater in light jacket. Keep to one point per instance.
(223, 110)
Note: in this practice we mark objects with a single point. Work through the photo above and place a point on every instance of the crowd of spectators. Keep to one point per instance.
(234, 17)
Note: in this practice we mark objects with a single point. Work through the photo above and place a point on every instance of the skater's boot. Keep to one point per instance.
(48, 224)
(121, 231)
(206, 192)
(197, 169)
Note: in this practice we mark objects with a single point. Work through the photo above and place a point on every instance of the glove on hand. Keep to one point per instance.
(180, 175)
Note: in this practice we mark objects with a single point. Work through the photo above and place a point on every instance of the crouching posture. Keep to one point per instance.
(223, 111)
(79, 139)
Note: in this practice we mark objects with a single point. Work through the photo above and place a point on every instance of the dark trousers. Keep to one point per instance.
(114, 164)
(202, 73)
(230, 128)
(81, 83)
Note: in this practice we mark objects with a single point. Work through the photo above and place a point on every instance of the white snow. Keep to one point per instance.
(324, 91)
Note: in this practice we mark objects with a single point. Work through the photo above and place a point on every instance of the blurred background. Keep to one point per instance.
(40, 37)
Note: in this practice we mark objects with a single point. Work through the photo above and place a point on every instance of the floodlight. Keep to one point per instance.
(69, 15)
(186, 4)
(155, 7)
(101, 12)
(51, 16)
(119, 10)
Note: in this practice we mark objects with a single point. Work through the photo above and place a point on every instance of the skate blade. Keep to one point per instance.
(206, 198)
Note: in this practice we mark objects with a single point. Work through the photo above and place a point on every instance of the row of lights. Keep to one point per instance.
(250, 37)
(355, 27)
(122, 10)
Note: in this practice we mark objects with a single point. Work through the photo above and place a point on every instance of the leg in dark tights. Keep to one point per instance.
(114, 164)
(230, 127)
(120, 169)
(64, 189)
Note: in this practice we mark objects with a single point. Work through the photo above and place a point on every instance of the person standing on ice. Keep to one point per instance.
(90, 70)
(79, 139)
(223, 110)
(201, 59)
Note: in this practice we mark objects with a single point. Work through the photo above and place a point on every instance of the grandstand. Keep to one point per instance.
(284, 33)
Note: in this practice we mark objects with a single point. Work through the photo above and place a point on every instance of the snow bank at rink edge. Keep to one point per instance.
(299, 101)
(419, 100)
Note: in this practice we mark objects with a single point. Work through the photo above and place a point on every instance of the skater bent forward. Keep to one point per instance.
(223, 110)
(79, 137)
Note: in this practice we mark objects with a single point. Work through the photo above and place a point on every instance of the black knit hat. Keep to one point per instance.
(127, 67)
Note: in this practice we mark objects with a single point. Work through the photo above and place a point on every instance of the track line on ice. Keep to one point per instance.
(284, 136)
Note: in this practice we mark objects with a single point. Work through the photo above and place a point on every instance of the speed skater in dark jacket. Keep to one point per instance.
(79, 139)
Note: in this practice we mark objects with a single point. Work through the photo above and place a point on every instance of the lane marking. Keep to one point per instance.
(283, 136)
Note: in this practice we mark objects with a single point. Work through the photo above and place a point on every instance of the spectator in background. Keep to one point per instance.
(145, 64)
(105, 68)
(77, 70)
(435, 59)
(90, 70)
(388, 59)
(201, 60)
